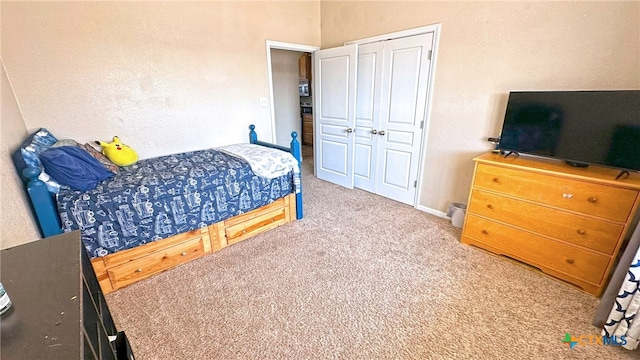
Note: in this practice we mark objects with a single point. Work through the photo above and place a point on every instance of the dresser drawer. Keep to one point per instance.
(595, 234)
(135, 270)
(125, 256)
(537, 250)
(594, 199)
(255, 225)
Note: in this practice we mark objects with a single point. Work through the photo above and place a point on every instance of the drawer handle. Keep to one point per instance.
(593, 199)
(272, 220)
(570, 261)
(581, 231)
(496, 180)
(244, 231)
(138, 270)
(567, 196)
(490, 206)
(184, 253)
(485, 232)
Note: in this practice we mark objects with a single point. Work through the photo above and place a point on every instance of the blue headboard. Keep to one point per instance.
(42, 202)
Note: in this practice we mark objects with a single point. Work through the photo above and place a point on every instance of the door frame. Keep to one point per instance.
(435, 29)
(270, 44)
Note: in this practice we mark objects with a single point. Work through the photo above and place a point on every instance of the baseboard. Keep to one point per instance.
(433, 211)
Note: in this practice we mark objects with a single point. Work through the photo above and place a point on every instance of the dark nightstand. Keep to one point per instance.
(59, 310)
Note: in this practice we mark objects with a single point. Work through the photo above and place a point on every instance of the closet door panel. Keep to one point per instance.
(362, 167)
(403, 84)
(334, 96)
(367, 114)
(402, 109)
(396, 172)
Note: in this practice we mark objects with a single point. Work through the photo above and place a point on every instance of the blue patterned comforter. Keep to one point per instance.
(161, 197)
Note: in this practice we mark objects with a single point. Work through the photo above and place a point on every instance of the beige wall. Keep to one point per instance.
(163, 76)
(487, 49)
(16, 226)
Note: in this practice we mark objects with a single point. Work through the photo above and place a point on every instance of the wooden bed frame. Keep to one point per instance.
(117, 270)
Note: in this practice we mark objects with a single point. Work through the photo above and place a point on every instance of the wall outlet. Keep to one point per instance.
(263, 101)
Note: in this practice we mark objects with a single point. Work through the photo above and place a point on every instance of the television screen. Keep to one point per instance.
(581, 127)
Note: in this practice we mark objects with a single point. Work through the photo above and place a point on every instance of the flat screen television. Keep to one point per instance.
(580, 127)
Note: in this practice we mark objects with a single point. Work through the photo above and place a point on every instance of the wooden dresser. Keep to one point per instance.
(569, 222)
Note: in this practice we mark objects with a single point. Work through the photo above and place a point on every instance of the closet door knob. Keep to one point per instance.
(374, 131)
(381, 132)
(349, 130)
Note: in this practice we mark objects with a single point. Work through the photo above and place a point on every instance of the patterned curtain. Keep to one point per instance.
(621, 321)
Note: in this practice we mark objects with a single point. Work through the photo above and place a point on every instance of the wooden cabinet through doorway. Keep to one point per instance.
(307, 129)
(304, 66)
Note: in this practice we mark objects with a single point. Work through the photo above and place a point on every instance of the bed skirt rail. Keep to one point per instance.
(117, 270)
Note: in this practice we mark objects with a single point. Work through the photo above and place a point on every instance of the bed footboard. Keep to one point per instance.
(295, 150)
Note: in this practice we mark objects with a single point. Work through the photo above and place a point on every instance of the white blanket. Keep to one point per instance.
(266, 162)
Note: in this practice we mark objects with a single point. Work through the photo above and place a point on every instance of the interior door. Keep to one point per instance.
(403, 97)
(367, 114)
(334, 97)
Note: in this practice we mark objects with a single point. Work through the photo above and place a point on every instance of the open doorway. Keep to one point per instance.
(289, 70)
(285, 94)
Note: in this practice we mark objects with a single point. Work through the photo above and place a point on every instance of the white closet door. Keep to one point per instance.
(367, 114)
(402, 108)
(334, 97)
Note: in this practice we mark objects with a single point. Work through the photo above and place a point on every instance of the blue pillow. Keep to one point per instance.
(74, 167)
(28, 155)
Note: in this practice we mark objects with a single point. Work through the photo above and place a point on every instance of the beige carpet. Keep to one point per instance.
(360, 277)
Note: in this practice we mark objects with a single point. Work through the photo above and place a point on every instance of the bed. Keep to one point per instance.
(165, 211)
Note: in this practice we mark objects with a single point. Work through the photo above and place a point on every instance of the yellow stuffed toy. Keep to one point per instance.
(119, 153)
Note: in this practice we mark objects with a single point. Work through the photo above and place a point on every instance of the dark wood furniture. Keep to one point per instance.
(59, 310)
